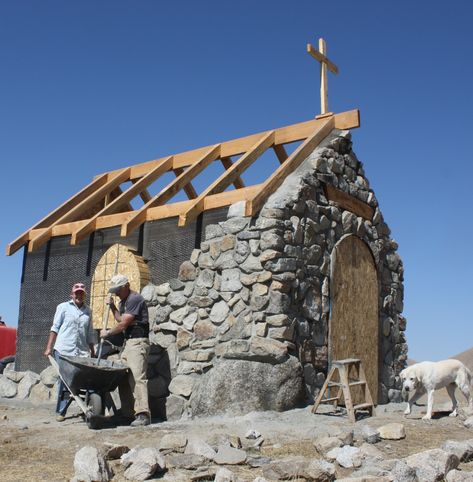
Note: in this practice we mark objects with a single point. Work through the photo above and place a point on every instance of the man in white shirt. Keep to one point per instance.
(72, 334)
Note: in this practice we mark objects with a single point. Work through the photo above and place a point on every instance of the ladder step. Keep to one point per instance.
(350, 384)
(361, 406)
(326, 400)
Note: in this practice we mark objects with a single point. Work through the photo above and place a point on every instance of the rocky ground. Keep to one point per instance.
(35, 447)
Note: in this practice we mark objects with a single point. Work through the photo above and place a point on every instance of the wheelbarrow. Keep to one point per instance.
(90, 384)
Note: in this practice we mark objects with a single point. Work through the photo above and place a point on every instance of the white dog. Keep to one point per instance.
(429, 376)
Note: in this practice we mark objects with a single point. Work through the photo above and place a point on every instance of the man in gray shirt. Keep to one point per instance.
(132, 320)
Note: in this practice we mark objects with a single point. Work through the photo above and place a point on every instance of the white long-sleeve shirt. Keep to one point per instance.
(74, 329)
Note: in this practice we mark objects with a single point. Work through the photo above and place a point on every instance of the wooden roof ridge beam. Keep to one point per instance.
(188, 188)
(171, 189)
(95, 197)
(227, 164)
(57, 213)
(228, 177)
(325, 126)
(283, 135)
(280, 152)
(137, 188)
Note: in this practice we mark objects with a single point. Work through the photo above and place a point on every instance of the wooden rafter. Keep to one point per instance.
(227, 164)
(57, 213)
(280, 153)
(110, 197)
(80, 208)
(228, 177)
(126, 196)
(213, 201)
(171, 189)
(144, 194)
(89, 209)
(283, 135)
(188, 188)
(276, 179)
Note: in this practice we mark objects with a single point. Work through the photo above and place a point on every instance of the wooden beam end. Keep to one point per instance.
(124, 230)
(249, 208)
(182, 220)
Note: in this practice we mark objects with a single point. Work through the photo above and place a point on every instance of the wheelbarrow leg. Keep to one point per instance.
(109, 403)
(78, 400)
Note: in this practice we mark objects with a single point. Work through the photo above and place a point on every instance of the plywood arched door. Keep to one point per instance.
(117, 259)
(354, 326)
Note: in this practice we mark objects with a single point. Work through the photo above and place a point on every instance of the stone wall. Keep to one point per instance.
(245, 325)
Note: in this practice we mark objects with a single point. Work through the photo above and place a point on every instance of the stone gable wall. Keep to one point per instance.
(245, 325)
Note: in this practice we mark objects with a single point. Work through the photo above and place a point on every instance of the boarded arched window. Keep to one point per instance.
(118, 259)
(354, 326)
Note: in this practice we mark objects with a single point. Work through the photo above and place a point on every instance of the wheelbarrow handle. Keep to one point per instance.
(99, 355)
(79, 401)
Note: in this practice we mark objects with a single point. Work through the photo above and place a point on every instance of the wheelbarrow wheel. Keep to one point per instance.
(95, 403)
(94, 421)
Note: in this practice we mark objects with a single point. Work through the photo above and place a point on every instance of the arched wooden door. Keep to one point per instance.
(118, 259)
(354, 326)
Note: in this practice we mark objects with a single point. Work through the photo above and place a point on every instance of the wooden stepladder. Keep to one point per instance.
(350, 374)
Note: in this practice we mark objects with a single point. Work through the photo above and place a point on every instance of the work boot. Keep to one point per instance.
(60, 418)
(120, 419)
(141, 420)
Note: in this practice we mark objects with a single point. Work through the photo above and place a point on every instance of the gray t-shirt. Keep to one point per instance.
(135, 305)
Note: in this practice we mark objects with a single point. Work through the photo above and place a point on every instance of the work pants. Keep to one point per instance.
(64, 398)
(134, 389)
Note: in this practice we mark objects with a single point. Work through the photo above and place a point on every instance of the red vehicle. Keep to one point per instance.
(7, 341)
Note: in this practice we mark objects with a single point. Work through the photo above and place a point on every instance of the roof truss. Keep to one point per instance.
(105, 202)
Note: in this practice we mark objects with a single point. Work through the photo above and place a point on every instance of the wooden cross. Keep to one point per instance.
(320, 55)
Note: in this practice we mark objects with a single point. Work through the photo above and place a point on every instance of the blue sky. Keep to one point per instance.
(91, 86)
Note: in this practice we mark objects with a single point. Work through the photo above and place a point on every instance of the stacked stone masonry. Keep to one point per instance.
(245, 325)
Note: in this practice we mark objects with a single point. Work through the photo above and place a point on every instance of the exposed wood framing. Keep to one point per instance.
(84, 205)
(276, 179)
(227, 164)
(126, 196)
(102, 203)
(213, 201)
(283, 135)
(228, 177)
(350, 203)
(188, 188)
(171, 189)
(144, 194)
(57, 213)
(280, 152)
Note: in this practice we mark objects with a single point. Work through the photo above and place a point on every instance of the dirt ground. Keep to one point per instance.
(35, 447)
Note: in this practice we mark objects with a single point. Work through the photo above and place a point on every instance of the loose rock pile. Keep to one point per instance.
(28, 385)
(179, 458)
